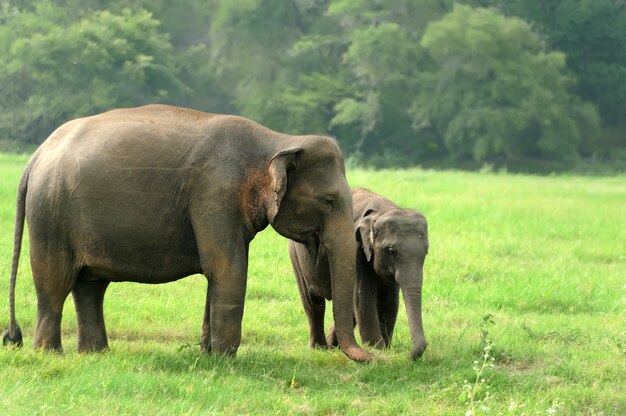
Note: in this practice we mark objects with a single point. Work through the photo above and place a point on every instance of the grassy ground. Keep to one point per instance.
(545, 256)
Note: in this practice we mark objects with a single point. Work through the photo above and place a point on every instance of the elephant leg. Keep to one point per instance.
(88, 300)
(48, 327)
(54, 276)
(366, 302)
(223, 255)
(225, 266)
(227, 291)
(205, 337)
(388, 300)
(315, 308)
(331, 338)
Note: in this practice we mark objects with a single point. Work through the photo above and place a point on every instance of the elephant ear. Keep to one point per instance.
(279, 167)
(365, 232)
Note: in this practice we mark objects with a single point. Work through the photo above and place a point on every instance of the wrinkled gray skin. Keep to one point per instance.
(156, 193)
(392, 247)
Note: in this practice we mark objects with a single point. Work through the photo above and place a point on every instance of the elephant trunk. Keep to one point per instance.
(342, 261)
(411, 286)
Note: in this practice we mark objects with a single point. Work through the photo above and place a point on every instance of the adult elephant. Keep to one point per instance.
(391, 250)
(156, 193)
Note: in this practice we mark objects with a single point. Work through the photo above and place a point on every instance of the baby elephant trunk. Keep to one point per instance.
(412, 293)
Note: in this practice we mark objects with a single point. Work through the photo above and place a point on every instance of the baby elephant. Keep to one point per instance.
(392, 247)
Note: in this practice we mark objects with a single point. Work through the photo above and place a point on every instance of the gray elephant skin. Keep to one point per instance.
(156, 193)
(392, 247)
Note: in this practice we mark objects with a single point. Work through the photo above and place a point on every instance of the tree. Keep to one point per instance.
(372, 73)
(592, 34)
(378, 63)
(58, 69)
(250, 40)
(493, 90)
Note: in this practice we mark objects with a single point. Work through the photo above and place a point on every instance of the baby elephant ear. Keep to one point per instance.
(365, 232)
(279, 167)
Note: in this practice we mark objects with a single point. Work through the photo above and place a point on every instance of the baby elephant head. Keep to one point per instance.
(395, 244)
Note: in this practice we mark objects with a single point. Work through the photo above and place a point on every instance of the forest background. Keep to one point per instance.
(516, 84)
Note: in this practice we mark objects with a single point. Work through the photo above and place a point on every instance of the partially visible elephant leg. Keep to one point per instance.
(331, 338)
(366, 309)
(54, 276)
(48, 327)
(88, 300)
(205, 337)
(315, 308)
(388, 301)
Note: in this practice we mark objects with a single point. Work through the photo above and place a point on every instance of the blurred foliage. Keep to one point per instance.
(398, 82)
(493, 90)
(55, 69)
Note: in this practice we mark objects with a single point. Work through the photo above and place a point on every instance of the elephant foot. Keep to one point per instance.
(51, 348)
(318, 345)
(357, 354)
(225, 349)
(94, 347)
(92, 337)
(16, 340)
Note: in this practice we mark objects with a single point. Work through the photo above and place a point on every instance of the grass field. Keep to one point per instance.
(545, 256)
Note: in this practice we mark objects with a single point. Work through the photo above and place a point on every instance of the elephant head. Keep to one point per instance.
(395, 243)
(311, 202)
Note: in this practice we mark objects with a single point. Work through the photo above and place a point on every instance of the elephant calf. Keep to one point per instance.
(392, 247)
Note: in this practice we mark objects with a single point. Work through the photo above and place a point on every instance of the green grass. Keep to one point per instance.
(546, 256)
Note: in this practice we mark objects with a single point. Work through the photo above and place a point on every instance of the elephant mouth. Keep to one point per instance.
(307, 238)
(313, 238)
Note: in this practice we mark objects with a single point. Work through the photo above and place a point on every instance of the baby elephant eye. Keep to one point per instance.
(327, 205)
(390, 250)
(420, 235)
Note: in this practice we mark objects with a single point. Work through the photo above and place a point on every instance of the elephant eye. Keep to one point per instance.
(390, 250)
(327, 204)
(420, 235)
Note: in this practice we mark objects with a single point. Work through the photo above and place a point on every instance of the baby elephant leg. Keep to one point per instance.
(388, 300)
(315, 308)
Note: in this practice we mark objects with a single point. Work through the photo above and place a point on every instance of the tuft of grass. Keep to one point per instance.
(545, 255)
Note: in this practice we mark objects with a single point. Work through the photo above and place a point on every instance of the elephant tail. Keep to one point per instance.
(14, 334)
